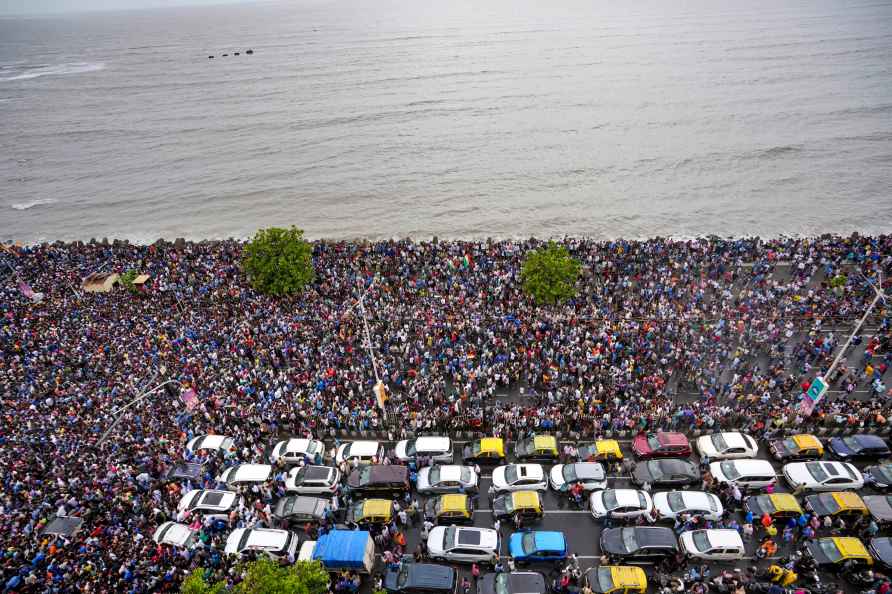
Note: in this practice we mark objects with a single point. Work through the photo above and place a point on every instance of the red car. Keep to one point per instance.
(661, 445)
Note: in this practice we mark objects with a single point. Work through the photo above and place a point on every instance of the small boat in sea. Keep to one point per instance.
(249, 52)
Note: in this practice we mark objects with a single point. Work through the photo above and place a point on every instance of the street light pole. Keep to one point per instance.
(119, 411)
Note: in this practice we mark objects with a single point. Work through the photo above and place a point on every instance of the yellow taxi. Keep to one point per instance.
(844, 504)
(603, 450)
(803, 446)
(542, 448)
(526, 505)
(833, 552)
(450, 509)
(780, 506)
(488, 450)
(618, 579)
(370, 511)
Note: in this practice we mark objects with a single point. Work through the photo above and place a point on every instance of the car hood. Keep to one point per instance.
(879, 507)
(798, 474)
(391, 576)
(498, 505)
(816, 504)
(498, 477)
(556, 474)
(515, 545)
(612, 542)
(640, 445)
(400, 449)
(840, 447)
(487, 584)
(643, 474)
(421, 479)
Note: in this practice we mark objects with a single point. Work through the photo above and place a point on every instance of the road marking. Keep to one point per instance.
(546, 512)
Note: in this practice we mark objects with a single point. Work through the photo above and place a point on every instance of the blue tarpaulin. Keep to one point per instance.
(342, 549)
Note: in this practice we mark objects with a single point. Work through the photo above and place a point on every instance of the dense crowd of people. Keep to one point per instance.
(664, 333)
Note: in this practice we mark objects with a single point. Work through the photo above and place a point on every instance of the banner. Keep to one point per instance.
(190, 399)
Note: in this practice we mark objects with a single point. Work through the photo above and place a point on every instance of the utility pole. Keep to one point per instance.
(120, 410)
(379, 389)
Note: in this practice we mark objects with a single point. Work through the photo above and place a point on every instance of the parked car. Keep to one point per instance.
(177, 535)
(209, 503)
(881, 549)
(746, 474)
(880, 508)
(214, 443)
(672, 504)
(300, 509)
(878, 476)
(616, 579)
(446, 478)
(420, 578)
(859, 447)
(488, 450)
(590, 475)
(604, 450)
(822, 476)
(524, 504)
(780, 506)
(620, 504)
(439, 449)
(840, 504)
(364, 452)
(543, 448)
(669, 472)
(450, 508)
(294, 450)
(803, 446)
(536, 546)
(379, 479)
(463, 544)
(713, 544)
(245, 475)
(516, 582)
(727, 445)
(832, 553)
(662, 444)
(641, 543)
(367, 512)
(516, 477)
(278, 544)
(313, 480)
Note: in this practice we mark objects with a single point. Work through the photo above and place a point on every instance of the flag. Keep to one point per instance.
(380, 394)
(190, 399)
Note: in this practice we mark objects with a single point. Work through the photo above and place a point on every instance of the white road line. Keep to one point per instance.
(555, 512)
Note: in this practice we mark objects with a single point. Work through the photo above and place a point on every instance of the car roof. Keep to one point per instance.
(870, 441)
(654, 536)
(748, 465)
(376, 507)
(672, 438)
(879, 505)
(850, 546)
(266, 538)
(454, 502)
(301, 504)
(525, 499)
(362, 448)
(172, 532)
(477, 537)
(545, 442)
(215, 498)
(626, 576)
(433, 443)
(626, 497)
(724, 537)
(297, 444)
(450, 472)
(735, 439)
(673, 465)
(807, 441)
(489, 444)
(533, 471)
(386, 472)
(697, 499)
(316, 473)
(847, 499)
(549, 540)
(784, 502)
(521, 582)
(586, 470)
(429, 575)
(210, 442)
(251, 472)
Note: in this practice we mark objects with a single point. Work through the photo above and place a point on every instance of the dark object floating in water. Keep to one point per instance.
(210, 57)
(225, 55)
(249, 52)
(235, 54)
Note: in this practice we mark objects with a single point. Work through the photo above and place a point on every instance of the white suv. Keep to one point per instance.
(463, 545)
(312, 480)
(209, 502)
(278, 544)
(751, 474)
(519, 477)
(292, 451)
(439, 449)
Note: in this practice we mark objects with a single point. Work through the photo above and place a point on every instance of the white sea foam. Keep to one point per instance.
(55, 70)
(32, 204)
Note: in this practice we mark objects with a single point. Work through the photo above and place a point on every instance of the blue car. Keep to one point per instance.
(859, 447)
(533, 546)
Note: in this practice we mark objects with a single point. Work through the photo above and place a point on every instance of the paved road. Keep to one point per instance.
(581, 530)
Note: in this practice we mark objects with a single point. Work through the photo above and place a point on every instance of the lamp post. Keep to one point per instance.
(120, 410)
(379, 389)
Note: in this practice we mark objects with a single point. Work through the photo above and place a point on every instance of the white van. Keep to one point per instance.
(278, 544)
(366, 452)
(432, 446)
(749, 474)
(245, 474)
(712, 545)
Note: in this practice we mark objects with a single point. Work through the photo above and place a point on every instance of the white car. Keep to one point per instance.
(278, 544)
(294, 450)
(672, 504)
(174, 534)
(209, 502)
(366, 452)
(447, 478)
(620, 503)
(750, 474)
(712, 545)
(210, 442)
(439, 449)
(456, 544)
(823, 476)
(312, 480)
(590, 475)
(246, 474)
(517, 477)
(727, 446)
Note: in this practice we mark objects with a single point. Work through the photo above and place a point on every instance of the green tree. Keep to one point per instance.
(196, 583)
(266, 576)
(279, 261)
(127, 280)
(549, 274)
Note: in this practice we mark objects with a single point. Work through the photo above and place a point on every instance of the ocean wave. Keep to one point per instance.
(32, 204)
(29, 72)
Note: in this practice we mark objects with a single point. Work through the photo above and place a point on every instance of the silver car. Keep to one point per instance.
(447, 478)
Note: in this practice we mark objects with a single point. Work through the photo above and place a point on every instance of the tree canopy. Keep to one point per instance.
(279, 261)
(265, 576)
(549, 274)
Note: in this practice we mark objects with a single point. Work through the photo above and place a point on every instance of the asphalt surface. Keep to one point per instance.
(582, 531)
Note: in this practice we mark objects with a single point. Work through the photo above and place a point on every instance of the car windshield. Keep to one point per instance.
(676, 501)
(629, 542)
(434, 476)
(729, 469)
(700, 540)
(852, 443)
(790, 445)
(525, 446)
(448, 537)
(604, 581)
(609, 499)
(529, 543)
(403, 577)
(829, 548)
(509, 504)
(569, 472)
(410, 448)
(477, 450)
(718, 441)
(829, 501)
(653, 442)
(465, 475)
(502, 586)
(817, 471)
(510, 474)
(883, 473)
(365, 474)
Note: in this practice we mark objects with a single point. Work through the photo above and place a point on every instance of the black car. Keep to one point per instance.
(517, 582)
(379, 480)
(639, 542)
(184, 471)
(666, 472)
(880, 507)
(420, 578)
(298, 509)
(859, 447)
(879, 476)
(881, 549)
